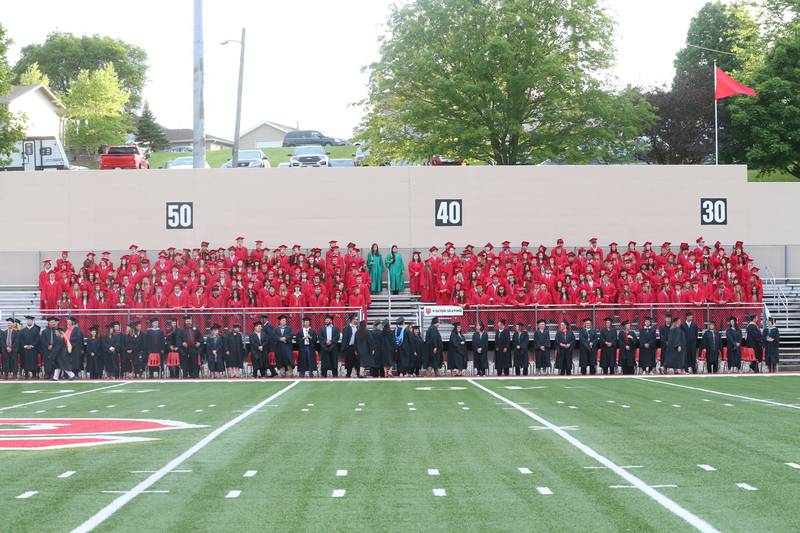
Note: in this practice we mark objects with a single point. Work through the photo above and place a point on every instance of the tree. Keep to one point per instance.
(149, 132)
(63, 55)
(12, 127)
(34, 76)
(497, 80)
(769, 123)
(95, 105)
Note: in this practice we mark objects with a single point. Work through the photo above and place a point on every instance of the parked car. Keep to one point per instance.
(124, 157)
(285, 164)
(305, 137)
(250, 159)
(341, 163)
(37, 153)
(362, 153)
(183, 163)
(180, 149)
(309, 156)
(439, 161)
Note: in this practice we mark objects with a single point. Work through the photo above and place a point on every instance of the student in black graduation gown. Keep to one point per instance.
(676, 348)
(587, 340)
(541, 347)
(608, 347)
(733, 340)
(480, 349)
(376, 334)
(502, 349)
(329, 336)
(520, 342)
(76, 340)
(364, 347)
(663, 339)
(215, 353)
(172, 347)
(133, 350)
(402, 347)
(283, 339)
(772, 342)
(94, 354)
(352, 363)
(234, 351)
(46, 344)
(61, 359)
(627, 343)
(259, 346)
(190, 345)
(306, 340)
(434, 346)
(385, 353)
(154, 343)
(565, 345)
(712, 345)
(417, 350)
(9, 344)
(755, 342)
(647, 346)
(457, 351)
(29, 347)
(269, 347)
(691, 331)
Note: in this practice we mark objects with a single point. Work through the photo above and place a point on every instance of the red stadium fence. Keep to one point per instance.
(205, 318)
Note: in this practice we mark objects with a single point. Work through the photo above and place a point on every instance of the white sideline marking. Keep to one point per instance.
(728, 404)
(559, 402)
(635, 487)
(729, 395)
(93, 411)
(66, 474)
(439, 492)
(250, 473)
(524, 470)
(672, 506)
(358, 409)
(310, 404)
(745, 486)
(625, 406)
(64, 396)
(465, 408)
(213, 405)
(433, 471)
(145, 410)
(412, 408)
(657, 401)
(707, 468)
(110, 406)
(544, 491)
(362, 404)
(573, 407)
(60, 406)
(28, 494)
(338, 493)
(162, 405)
(40, 411)
(793, 465)
(305, 409)
(233, 494)
(603, 467)
(198, 410)
(675, 405)
(128, 492)
(106, 512)
(341, 473)
(410, 403)
(706, 400)
(611, 401)
(460, 403)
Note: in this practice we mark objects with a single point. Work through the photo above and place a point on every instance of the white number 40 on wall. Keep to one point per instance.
(448, 213)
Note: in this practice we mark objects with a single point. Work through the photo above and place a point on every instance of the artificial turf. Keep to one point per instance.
(387, 449)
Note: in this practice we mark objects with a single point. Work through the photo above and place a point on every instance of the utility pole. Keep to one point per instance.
(198, 123)
(235, 155)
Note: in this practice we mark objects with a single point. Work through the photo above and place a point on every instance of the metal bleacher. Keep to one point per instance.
(782, 298)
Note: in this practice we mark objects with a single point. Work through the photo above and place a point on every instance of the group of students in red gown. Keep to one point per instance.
(586, 276)
(208, 278)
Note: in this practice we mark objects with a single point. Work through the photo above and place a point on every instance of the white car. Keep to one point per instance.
(183, 163)
(309, 156)
(250, 159)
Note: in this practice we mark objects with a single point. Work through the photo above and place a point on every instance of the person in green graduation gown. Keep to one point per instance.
(394, 263)
(375, 268)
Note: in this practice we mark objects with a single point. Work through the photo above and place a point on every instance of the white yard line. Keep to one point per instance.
(64, 396)
(720, 393)
(250, 473)
(439, 492)
(746, 486)
(233, 494)
(28, 494)
(707, 468)
(66, 474)
(338, 493)
(433, 471)
(669, 504)
(106, 512)
(341, 473)
(793, 465)
(544, 491)
(524, 470)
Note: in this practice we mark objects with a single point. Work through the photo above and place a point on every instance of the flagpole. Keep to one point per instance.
(716, 119)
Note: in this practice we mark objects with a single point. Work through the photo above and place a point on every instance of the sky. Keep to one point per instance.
(303, 58)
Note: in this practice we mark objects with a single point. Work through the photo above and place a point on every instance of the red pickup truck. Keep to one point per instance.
(131, 157)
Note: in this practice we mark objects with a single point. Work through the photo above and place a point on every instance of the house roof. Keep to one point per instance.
(275, 125)
(19, 90)
(187, 135)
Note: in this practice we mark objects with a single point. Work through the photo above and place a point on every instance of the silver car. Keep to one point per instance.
(250, 159)
(309, 156)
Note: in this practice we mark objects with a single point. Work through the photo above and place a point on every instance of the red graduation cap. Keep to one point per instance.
(203, 244)
(332, 242)
(433, 249)
(684, 246)
(46, 262)
(132, 247)
(631, 243)
(239, 238)
(699, 240)
(449, 244)
(351, 245)
(90, 254)
(666, 244)
(648, 243)
(593, 239)
(231, 248)
(259, 242)
(560, 241)
(65, 252)
(524, 244)
(106, 254)
(506, 244)
(489, 246)
(295, 247)
(613, 244)
(717, 245)
(282, 247)
(739, 244)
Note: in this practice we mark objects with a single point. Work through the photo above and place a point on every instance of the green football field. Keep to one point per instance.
(548, 454)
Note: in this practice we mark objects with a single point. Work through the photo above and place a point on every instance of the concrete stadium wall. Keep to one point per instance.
(91, 210)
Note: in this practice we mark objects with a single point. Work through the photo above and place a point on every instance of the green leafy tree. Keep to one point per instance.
(12, 127)
(63, 55)
(769, 123)
(95, 105)
(498, 80)
(149, 132)
(34, 76)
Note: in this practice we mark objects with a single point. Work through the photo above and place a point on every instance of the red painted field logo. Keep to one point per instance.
(58, 433)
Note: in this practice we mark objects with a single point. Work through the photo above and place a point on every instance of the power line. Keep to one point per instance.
(710, 49)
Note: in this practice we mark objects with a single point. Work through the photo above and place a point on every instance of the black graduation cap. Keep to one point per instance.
(186, 317)
(52, 318)
(215, 326)
(29, 317)
(115, 323)
(94, 327)
(257, 323)
(400, 321)
(16, 321)
(236, 326)
(72, 319)
(281, 317)
(10, 319)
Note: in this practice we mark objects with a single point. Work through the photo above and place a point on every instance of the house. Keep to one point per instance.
(264, 135)
(42, 110)
(185, 137)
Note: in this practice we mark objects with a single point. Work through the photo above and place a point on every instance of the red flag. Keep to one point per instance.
(727, 86)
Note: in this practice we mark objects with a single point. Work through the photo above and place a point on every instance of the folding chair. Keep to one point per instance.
(154, 361)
